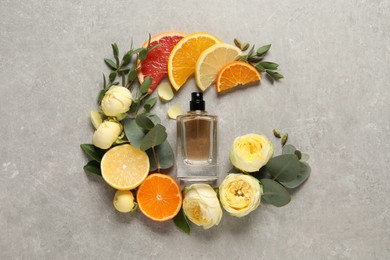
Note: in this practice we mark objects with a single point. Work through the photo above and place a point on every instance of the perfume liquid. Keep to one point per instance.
(196, 147)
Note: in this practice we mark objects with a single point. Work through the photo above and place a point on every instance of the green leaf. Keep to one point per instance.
(164, 154)
(263, 50)
(274, 193)
(288, 149)
(298, 154)
(274, 75)
(93, 167)
(112, 76)
(127, 58)
(110, 63)
(137, 51)
(146, 84)
(115, 49)
(269, 65)
(125, 69)
(134, 132)
(150, 103)
(132, 74)
(154, 47)
(155, 119)
(181, 222)
(143, 54)
(101, 95)
(94, 152)
(157, 135)
(284, 167)
(104, 81)
(303, 174)
(260, 68)
(144, 121)
(255, 59)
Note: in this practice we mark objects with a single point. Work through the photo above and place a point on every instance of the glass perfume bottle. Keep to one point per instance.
(196, 146)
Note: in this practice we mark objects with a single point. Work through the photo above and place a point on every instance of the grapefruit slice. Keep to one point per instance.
(159, 197)
(156, 63)
(124, 167)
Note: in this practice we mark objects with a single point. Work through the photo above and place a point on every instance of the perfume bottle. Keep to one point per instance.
(196, 146)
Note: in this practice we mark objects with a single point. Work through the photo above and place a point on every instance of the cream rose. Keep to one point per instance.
(116, 101)
(251, 152)
(201, 205)
(106, 134)
(240, 194)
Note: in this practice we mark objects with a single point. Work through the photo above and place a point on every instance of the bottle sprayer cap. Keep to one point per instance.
(197, 102)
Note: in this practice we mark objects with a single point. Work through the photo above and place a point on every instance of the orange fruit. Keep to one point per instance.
(159, 197)
(212, 60)
(156, 63)
(124, 167)
(236, 73)
(182, 60)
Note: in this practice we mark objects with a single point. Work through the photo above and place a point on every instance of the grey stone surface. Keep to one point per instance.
(334, 103)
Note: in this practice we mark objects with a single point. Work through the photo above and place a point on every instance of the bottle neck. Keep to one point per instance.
(197, 112)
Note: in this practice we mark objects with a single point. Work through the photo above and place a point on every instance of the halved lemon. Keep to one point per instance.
(212, 60)
(125, 167)
(183, 58)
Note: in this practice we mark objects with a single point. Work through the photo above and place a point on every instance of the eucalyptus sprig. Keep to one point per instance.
(256, 58)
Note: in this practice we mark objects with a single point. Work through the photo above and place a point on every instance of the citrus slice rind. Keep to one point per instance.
(183, 58)
(212, 60)
(125, 167)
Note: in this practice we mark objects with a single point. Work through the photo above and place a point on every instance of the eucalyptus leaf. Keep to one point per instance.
(288, 149)
(143, 54)
(181, 222)
(274, 75)
(269, 65)
(304, 173)
(110, 63)
(112, 76)
(164, 154)
(263, 50)
(115, 49)
(150, 103)
(298, 154)
(155, 119)
(132, 74)
(94, 152)
(134, 132)
(260, 68)
(284, 167)
(146, 84)
(157, 135)
(126, 58)
(144, 121)
(93, 167)
(101, 96)
(274, 193)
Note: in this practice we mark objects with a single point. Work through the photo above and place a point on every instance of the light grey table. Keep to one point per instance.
(334, 103)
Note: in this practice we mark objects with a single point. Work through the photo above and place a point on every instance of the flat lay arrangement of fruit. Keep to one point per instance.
(130, 150)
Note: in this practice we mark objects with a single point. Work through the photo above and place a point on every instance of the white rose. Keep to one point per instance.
(240, 194)
(201, 205)
(106, 134)
(251, 152)
(117, 100)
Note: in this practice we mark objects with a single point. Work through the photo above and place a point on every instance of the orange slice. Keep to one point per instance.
(182, 60)
(156, 63)
(159, 197)
(124, 167)
(234, 74)
(212, 60)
